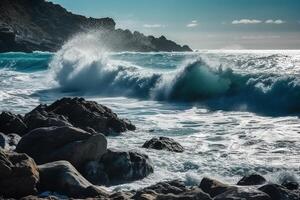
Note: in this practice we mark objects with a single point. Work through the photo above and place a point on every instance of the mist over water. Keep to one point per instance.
(235, 112)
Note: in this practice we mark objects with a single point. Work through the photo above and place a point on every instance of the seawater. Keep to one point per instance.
(235, 112)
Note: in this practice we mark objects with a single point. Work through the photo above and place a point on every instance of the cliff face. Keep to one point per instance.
(28, 25)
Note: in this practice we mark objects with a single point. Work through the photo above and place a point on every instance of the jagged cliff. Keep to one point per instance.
(29, 25)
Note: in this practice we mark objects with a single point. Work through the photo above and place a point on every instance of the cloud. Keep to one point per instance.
(271, 21)
(193, 24)
(153, 26)
(246, 21)
(257, 21)
(259, 37)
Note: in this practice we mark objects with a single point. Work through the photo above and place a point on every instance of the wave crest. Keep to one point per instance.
(90, 71)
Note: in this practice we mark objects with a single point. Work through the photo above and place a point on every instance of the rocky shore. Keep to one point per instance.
(60, 151)
(40, 25)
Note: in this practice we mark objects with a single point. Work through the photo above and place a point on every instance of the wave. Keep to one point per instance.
(25, 62)
(80, 68)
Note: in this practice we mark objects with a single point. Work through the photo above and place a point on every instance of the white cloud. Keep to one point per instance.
(153, 26)
(193, 24)
(271, 21)
(246, 21)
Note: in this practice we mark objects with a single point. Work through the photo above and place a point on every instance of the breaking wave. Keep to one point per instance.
(79, 68)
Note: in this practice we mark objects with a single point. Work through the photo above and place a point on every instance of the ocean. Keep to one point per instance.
(234, 111)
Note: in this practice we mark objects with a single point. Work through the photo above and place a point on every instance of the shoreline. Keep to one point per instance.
(65, 119)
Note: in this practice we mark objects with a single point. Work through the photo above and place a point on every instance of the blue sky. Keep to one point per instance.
(204, 24)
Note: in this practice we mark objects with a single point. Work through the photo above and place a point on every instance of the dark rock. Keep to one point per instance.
(214, 187)
(29, 25)
(163, 143)
(170, 190)
(121, 195)
(277, 192)
(10, 123)
(290, 185)
(9, 142)
(244, 193)
(89, 115)
(62, 143)
(191, 194)
(252, 179)
(31, 197)
(39, 118)
(63, 178)
(117, 167)
(18, 175)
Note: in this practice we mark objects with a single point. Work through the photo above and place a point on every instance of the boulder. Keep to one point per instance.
(171, 190)
(63, 178)
(38, 118)
(290, 185)
(123, 195)
(18, 175)
(117, 167)
(244, 193)
(9, 142)
(31, 197)
(11, 123)
(89, 115)
(277, 192)
(214, 187)
(163, 143)
(62, 143)
(252, 179)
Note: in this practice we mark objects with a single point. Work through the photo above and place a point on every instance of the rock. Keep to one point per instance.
(163, 143)
(290, 185)
(62, 143)
(117, 167)
(277, 192)
(244, 193)
(252, 179)
(170, 190)
(18, 175)
(63, 178)
(31, 197)
(39, 118)
(192, 194)
(9, 142)
(10, 123)
(89, 115)
(214, 187)
(124, 195)
(29, 26)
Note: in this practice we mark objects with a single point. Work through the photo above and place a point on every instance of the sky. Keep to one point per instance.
(204, 24)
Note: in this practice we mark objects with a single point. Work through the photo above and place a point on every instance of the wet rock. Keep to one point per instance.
(18, 175)
(121, 195)
(9, 142)
(62, 143)
(277, 192)
(63, 178)
(118, 167)
(11, 123)
(214, 187)
(290, 185)
(171, 190)
(163, 143)
(89, 115)
(31, 197)
(244, 193)
(39, 118)
(252, 179)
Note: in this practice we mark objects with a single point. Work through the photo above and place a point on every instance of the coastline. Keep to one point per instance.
(64, 113)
